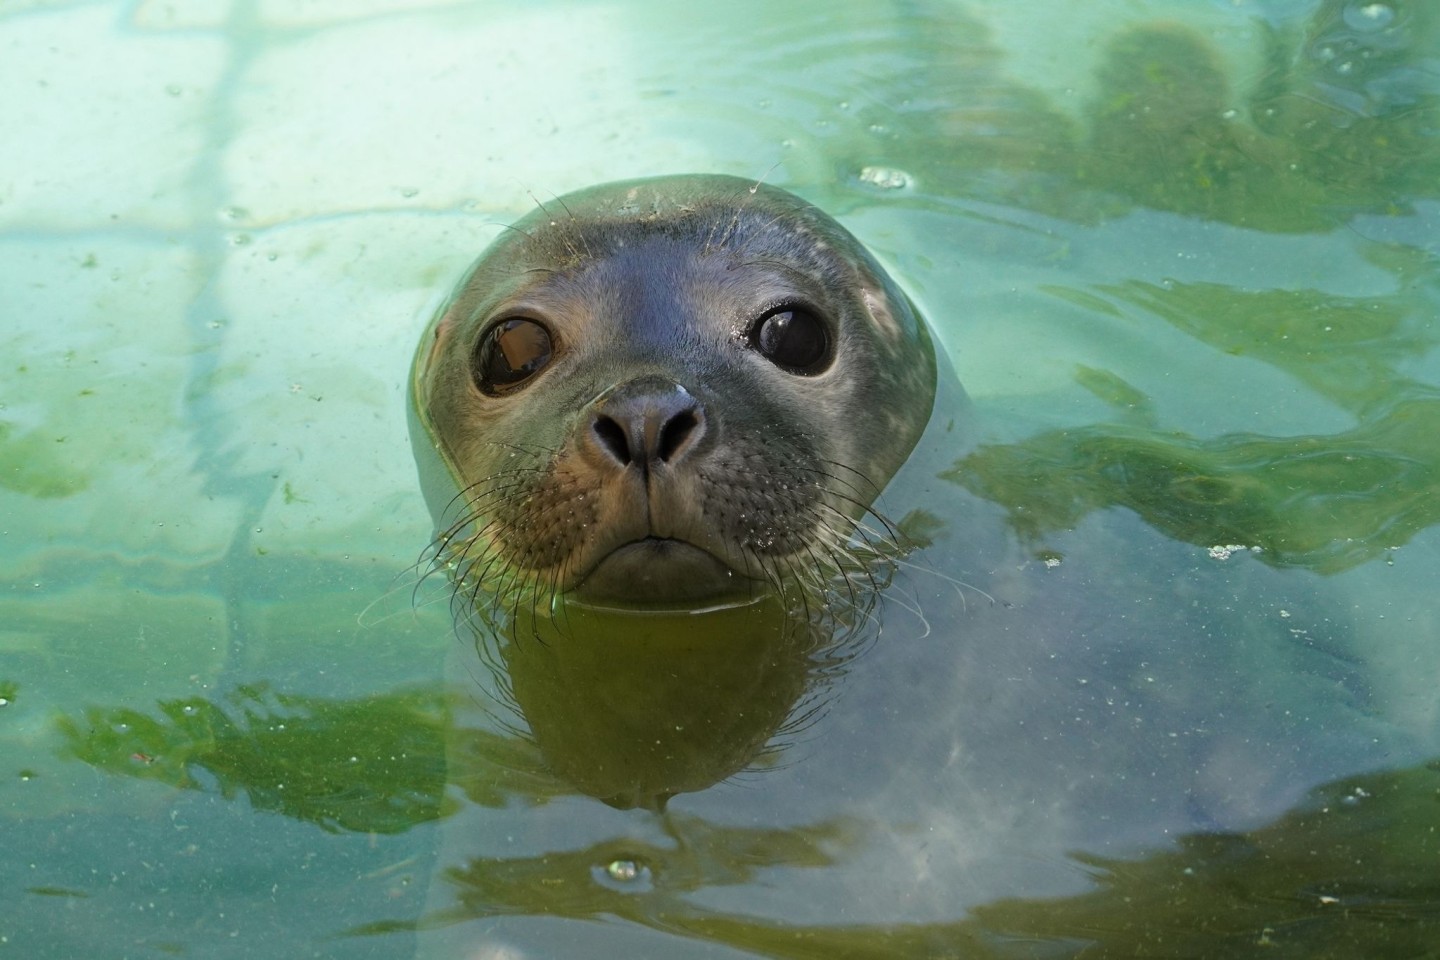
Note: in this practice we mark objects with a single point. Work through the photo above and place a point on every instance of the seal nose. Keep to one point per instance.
(647, 422)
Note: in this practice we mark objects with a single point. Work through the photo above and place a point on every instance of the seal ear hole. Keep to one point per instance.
(509, 353)
(794, 338)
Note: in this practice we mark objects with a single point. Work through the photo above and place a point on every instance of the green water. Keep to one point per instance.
(1183, 256)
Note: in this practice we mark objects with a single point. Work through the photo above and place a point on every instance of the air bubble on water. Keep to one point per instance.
(1368, 16)
(886, 178)
(408, 192)
(1230, 114)
(234, 213)
(624, 874)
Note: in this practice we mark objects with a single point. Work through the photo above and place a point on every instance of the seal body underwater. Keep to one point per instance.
(670, 391)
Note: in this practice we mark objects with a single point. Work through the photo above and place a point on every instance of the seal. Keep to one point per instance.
(675, 392)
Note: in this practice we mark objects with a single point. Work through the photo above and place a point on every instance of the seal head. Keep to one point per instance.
(666, 392)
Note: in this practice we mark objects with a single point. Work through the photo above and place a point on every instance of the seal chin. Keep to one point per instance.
(658, 571)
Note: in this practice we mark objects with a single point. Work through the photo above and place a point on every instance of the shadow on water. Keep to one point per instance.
(1348, 872)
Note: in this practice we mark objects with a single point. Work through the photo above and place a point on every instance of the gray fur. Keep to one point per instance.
(660, 279)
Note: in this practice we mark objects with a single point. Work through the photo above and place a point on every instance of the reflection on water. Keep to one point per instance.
(633, 709)
(1314, 883)
(373, 766)
(1184, 258)
(1323, 502)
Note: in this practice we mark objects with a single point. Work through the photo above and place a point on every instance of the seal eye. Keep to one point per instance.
(793, 339)
(511, 352)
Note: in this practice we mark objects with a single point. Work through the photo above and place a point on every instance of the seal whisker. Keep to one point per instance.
(740, 208)
(818, 565)
(563, 232)
(960, 586)
(579, 232)
(510, 226)
(882, 543)
(874, 488)
(848, 562)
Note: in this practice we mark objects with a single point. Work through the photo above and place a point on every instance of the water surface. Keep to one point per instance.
(1183, 257)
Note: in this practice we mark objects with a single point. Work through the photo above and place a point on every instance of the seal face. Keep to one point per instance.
(667, 391)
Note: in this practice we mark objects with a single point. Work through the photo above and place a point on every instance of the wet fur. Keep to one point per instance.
(664, 278)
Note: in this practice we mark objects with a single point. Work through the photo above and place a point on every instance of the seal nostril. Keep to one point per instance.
(612, 437)
(674, 434)
(645, 423)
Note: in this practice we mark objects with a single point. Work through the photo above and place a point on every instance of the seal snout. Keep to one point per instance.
(647, 422)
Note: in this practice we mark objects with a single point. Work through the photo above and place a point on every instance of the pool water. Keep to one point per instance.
(1160, 681)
